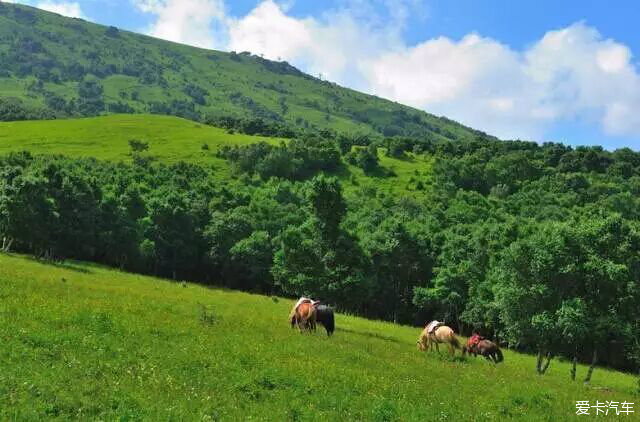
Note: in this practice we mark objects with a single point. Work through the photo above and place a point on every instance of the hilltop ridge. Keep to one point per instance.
(64, 67)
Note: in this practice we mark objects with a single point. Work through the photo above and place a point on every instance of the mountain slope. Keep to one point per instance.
(67, 66)
(82, 342)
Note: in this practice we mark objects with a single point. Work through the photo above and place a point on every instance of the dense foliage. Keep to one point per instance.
(295, 160)
(13, 109)
(538, 246)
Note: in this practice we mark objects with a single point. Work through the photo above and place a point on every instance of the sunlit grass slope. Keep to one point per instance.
(172, 139)
(82, 342)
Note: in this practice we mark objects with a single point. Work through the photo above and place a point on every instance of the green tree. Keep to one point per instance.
(252, 257)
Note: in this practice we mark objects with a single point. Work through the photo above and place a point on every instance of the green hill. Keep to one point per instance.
(172, 139)
(60, 66)
(82, 342)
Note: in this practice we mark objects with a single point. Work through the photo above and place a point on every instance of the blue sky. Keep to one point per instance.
(541, 70)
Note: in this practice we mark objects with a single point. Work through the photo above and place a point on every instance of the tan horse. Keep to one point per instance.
(442, 334)
(304, 315)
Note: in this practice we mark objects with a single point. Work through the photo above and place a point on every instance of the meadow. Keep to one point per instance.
(170, 139)
(84, 342)
(173, 139)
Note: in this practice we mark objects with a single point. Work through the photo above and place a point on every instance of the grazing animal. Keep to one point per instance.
(473, 341)
(304, 316)
(324, 315)
(292, 314)
(442, 334)
(486, 348)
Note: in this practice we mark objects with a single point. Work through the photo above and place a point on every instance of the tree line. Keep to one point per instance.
(537, 246)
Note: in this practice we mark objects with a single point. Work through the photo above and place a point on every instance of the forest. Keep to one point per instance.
(515, 240)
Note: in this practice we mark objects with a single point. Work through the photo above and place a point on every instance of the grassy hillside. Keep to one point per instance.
(173, 139)
(73, 67)
(170, 139)
(82, 342)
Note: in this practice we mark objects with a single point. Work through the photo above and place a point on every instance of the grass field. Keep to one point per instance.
(82, 342)
(172, 139)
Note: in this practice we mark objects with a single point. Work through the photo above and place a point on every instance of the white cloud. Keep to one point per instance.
(334, 45)
(70, 9)
(570, 74)
(64, 8)
(613, 59)
(581, 75)
(268, 31)
(196, 22)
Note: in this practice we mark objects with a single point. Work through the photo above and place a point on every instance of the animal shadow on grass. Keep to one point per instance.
(206, 315)
(444, 356)
(370, 334)
(61, 264)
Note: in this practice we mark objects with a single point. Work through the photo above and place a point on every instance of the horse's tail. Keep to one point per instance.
(330, 324)
(499, 355)
(454, 341)
(292, 316)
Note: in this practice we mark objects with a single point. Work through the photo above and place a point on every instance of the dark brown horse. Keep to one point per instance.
(324, 315)
(486, 348)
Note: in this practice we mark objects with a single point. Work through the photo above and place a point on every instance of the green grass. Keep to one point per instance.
(172, 139)
(82, 342)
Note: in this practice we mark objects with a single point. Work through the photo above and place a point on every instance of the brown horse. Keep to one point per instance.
(472, 342)
(304, 315)
(442, 334)
(486, 348)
